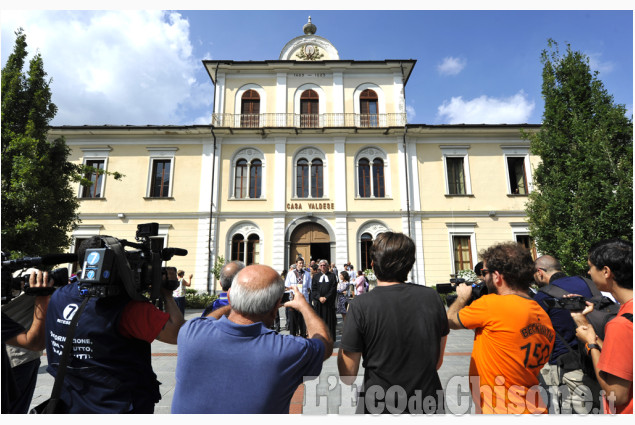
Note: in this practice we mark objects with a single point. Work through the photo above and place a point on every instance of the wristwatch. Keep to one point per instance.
(590, 347)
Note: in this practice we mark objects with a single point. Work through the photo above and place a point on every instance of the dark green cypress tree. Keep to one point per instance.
(39, 208)
(584, 184)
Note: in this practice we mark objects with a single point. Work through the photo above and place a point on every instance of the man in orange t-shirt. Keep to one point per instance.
(513, 334)
(611, 268)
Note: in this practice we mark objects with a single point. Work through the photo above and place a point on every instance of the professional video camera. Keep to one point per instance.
(11, 283)
(110, 269)
(479, 288)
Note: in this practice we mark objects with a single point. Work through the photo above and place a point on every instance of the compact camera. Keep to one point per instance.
(287, 296)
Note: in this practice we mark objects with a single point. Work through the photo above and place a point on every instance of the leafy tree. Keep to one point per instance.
(584, 184)
(39, 207)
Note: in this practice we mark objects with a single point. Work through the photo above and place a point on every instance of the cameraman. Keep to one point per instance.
(14, 334)
(514, 336)
(110, 369)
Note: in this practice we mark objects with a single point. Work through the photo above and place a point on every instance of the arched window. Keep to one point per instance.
(368, 108)
(302, 178)
(248, 174)
(250, 109)
(364, 178)
(317, 178)
(372, 173)
(255, 179)
(309, 109)
(366, 241)
(310, 164)
(378, 178)
(238, 248)
(240, 179)
(253, 250)
(246, 251)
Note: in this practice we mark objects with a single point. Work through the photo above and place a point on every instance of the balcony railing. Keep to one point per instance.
(308, 120)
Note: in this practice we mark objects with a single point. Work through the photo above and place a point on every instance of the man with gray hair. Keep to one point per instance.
(227, 274)
(258, 369)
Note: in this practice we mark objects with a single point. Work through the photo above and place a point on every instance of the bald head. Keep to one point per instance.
(545, 267)
(228, 272)
(256, 290)
(549, 264)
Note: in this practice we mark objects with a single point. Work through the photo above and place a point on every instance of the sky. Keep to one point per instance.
(144, 67)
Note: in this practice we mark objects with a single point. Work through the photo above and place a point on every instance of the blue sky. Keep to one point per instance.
(144, 67)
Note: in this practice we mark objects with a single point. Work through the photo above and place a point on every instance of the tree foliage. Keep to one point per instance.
(39, 208)
(584, 183)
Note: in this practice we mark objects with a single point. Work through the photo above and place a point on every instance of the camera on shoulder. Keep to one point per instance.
(109, 269)
(479, 288)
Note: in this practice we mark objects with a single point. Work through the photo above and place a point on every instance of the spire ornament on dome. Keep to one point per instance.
(309, 28)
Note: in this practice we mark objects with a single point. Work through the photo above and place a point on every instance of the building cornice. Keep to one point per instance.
(394, 65)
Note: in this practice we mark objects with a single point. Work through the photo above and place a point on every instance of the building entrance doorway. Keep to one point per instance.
(310, 241)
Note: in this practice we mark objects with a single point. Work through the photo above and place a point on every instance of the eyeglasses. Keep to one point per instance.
(324, 265)
(484, 272)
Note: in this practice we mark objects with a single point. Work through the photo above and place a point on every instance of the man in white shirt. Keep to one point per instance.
(302, 278)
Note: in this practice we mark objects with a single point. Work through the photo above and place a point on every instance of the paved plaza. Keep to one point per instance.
(321, 396)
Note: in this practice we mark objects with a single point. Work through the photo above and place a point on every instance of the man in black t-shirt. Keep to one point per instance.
(400, 330)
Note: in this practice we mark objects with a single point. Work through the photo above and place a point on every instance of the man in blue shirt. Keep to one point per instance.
(564, 369)
(227, 274)
(257, 369)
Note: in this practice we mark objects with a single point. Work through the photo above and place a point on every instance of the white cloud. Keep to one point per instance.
(451, 66)
(113, 67)
(486, 110)
(596, 64)
(410, 113)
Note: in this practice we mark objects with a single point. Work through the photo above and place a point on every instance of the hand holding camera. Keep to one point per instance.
(297, 300)
(464, 291)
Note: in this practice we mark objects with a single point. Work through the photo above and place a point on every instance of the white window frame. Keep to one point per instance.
(461, 229)
(95, 154)
(161, 153)
(370, 153)
(522, 229)
(457, 152)
(248, 154)
(310, 153)
(518, 152)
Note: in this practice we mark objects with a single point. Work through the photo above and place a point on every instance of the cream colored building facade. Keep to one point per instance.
(308, 155)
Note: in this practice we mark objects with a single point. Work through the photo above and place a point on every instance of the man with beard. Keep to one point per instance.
(514, 336)
(323, 293)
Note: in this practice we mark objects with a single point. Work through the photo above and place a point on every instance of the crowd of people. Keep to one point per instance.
(530, 354)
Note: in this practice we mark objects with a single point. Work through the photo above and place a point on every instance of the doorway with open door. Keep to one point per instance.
(310, 241)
